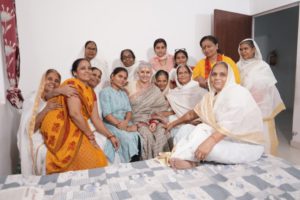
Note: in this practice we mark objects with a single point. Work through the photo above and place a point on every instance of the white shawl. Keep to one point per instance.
(183, 98)
(258, 78)
(232, 112)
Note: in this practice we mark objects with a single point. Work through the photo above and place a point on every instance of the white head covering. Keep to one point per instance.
(255, 68)
(183, 98)
(100, 63)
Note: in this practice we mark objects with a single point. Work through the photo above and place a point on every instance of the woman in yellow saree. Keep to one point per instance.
(70, 142)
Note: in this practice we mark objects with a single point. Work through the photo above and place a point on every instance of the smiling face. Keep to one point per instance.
(246, 51)
(180, 59)
(218, 77)
(52, 81)
(83, 71)
(95, 78)
(184, 75)
(161, 82)
(119, 80)
(160, 49)
(144, 74)
(127, 58)
(90, 51)
(209, 48)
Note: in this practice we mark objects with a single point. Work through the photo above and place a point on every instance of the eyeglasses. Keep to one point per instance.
(182, 49)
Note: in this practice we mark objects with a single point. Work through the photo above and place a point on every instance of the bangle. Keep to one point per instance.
(111, 136)
(153, 121)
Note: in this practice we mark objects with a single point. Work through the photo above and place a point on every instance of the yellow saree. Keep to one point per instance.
(68, 147)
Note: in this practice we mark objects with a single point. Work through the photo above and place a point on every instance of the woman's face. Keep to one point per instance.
(184, 75)
(119, 80)
(145, 74)
(52, 81)
(84, 71)
(246, 51)
(90, 51)
(209, 49)
(161, 82)
(160, 49)
(181, 59)
(218, 77)
(127, 59)
(95, 78)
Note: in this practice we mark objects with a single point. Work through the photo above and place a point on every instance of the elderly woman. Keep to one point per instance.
(258, 78)
(210, 48)
(231, 131)
(127, 58)
(117, 114)
(146, 99)
(71, 144)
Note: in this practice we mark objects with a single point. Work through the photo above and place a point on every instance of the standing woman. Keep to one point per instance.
(258, 78)
(90, 52)
(117, 114)
(210, 48)
(162, 60)
(70, 142)
(127, 58)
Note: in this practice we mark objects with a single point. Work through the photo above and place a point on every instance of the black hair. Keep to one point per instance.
(177, 52)
(129, 50)
(118, 70)
(53, 71)
(76, 64)
(161, 73)
(211, 38)
(248, 42)
(159, 40)
(90, 41)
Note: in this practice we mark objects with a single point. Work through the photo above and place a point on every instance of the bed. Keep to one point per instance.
(268, 178)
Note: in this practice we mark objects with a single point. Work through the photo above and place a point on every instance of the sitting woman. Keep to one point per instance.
(161, 80)
(116, 112)
(258, 78)
(146, 99)
(30, 141)
(70, 142)
(231, 131)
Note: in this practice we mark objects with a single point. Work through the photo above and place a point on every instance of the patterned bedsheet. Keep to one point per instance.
(268, 178)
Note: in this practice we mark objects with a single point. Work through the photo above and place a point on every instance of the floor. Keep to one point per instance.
(284, 131)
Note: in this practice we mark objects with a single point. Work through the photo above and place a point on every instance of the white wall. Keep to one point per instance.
(52, 32)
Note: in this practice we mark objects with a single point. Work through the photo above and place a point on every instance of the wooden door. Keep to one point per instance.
(231, 28)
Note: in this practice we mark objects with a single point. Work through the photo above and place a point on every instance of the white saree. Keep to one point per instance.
(258, 78)
(233, 113)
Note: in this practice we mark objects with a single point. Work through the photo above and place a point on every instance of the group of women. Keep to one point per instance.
(216, 111)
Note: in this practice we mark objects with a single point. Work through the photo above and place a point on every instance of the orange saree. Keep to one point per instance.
(68, 147)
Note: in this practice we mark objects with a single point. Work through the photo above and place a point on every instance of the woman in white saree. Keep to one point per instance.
(231, 131)
(258, 78)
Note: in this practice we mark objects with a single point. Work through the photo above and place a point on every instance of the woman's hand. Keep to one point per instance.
(202, 82)
(68, 91)
(152, 127)
(168, 127)
(94, 143)
(122, 125)
(204, 148)
(115, 142)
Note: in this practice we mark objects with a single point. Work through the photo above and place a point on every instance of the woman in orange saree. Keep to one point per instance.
(70, 142)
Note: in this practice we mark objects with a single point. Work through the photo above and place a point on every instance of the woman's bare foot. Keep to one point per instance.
(177, 163)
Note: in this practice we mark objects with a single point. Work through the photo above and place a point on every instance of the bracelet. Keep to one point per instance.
(154, 121)
(111, 136)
